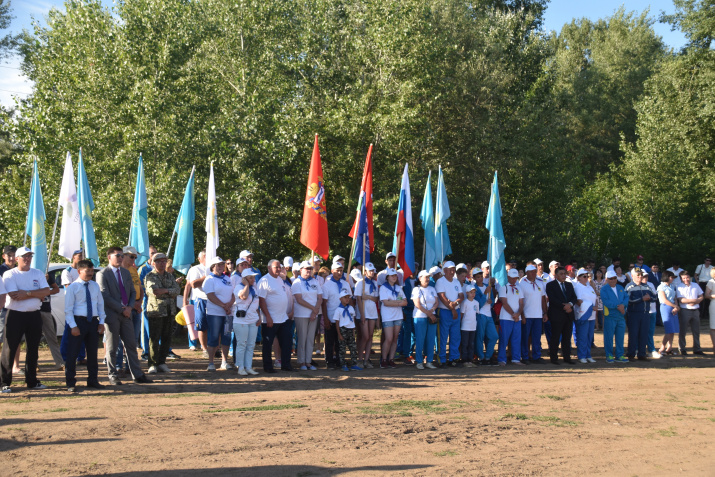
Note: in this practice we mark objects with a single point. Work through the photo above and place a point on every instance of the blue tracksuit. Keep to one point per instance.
(614, 323)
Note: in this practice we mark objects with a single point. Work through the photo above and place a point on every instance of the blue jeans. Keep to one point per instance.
(425, 333)
(651, 332)
(614, 325)
(509, 331)
(533, 328)
(584, 333)
(449, 330)
(217, 325)
(245, 344)
(486, 333)
(638, 324)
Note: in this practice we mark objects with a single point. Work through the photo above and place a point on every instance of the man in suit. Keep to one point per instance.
(562, 299)
(119, 297)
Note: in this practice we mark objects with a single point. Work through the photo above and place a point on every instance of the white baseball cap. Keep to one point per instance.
(582, 271)
(245, 253)
(513, 273)
(337, 257)
(611, 274)
(240, 261)
(461, 266)
(476, 271)
(485, 264)
(336, 266)
(468, 287)
(552, 263)
(214, 261)
(538, 261)
(288, 262)
(390, 272)
(306, 264)
(22, 251)
(296, 266)
(448, 264)
(344, 292)
(370, 266)
(390, 255)
(529, 268)
(356, 274)
(435, 270)
(248, 273)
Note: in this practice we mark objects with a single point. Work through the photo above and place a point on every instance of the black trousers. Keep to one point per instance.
(561, 329)
(281, 331)
(18, 323)
(331, 345)
(89, 336)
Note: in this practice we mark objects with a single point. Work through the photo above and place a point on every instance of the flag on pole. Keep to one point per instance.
(314, 233)
(403, 246)
(139, 228)
(211, 220)
(497, 244)
(184, 228)
(71, 232)
(361, 232)
(86, 206)
(36, 222)
(441, 236)
(427, 218)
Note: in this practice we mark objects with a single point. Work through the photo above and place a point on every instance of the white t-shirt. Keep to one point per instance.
(486, 310)
(652, 302)
(427, 297)
(344, 321)
(513, 294)
(249, 305)
(470, 309)
(275, 292)
(68, 276)
(382, 277)
(331, 295)
(676, 281)
(15, 280)
(451, 290)
(691, 292)
(2, 287)
(702, 273)
(221, 287)
(391, 313)
(588, 296)
(532, 294)
(196, 272)
(369, 306)
(310, 291)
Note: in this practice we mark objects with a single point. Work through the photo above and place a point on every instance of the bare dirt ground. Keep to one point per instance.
(630, 419)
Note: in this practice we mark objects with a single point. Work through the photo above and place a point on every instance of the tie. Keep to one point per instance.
(123, 292)
(89, 301)
(563, 289)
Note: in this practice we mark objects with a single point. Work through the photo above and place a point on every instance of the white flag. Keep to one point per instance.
(211, 220)
(71, 232)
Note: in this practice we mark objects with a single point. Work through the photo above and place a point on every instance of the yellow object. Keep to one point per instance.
(180, 318)
(605, 311)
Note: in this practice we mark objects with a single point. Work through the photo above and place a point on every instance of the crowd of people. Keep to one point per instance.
(451, 315)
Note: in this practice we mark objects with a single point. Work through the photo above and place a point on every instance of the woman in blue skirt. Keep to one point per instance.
(669, 311)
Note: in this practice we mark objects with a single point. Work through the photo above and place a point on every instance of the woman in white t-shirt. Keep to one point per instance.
(425, 299)
(246, 322)
(367, 296)
(219, 310)
(308, 298)
(392, 299)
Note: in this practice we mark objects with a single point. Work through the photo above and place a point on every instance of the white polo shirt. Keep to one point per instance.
(275, 292)
(391, 313)
(68, 276)
(196, 272)
(513, 294)
(692, 291)
(533, 293)
(345, 321)
(702, 273)
(470, 309)
(451, 290)
(309, 290)
(427, 297)
(331, 294)
(15, 280)
(588, 296)
(221, 287)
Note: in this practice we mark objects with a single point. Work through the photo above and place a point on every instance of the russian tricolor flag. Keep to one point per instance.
(403, 246)
(362, 233)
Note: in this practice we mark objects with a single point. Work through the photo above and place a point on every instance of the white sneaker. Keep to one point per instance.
(226, 366)
(278, 364)
(211, 367)
(583, 361)
(430, 366)
(152, 370)
(251, 371)
(420, 366)
(591, 360)
(192, 348)
(162, 368)
(242, 371)
(655, 355)
(6, 389)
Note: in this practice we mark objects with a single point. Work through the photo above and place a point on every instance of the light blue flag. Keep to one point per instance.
(184, 228)
(86, 206)
(36, 223)
(139, 229)
(497, 244)
(429, 259)
(442, 246)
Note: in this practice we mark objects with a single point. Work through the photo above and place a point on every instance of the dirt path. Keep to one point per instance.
(635, 419)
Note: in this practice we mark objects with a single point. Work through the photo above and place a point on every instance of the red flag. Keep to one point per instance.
(365, 201)
(314, 233)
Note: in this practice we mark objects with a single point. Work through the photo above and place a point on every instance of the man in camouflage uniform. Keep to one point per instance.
(161, 291)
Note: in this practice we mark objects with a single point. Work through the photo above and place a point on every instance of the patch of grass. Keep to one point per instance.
(711, 419)
(269, 407)
(19, 400)
(549, 420)
(57, 409)
(404, 407)
(669, 432)
(447, 453)
(696, 408)
(182, 395)
(54, 383)
(514, 416)
(55, 398)
(553, 396)
(502, 402)
(16, 429)
(338, 411)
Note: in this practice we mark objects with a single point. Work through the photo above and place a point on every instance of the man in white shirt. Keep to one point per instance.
(534, 293)
(195, 277)
(273, 302)
(85, 315)
(69, 275)
(25, 288)
(702, 275)
(449, 292)
(677, 281)
(689, 297)
(390, 261)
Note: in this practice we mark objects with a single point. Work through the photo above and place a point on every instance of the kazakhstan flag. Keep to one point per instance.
(184, 251)
(139, 235)
(36, 223)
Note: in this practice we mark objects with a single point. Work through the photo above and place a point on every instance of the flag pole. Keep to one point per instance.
(171, 242)
(52, 244)
(424, 251)
(363, 265)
